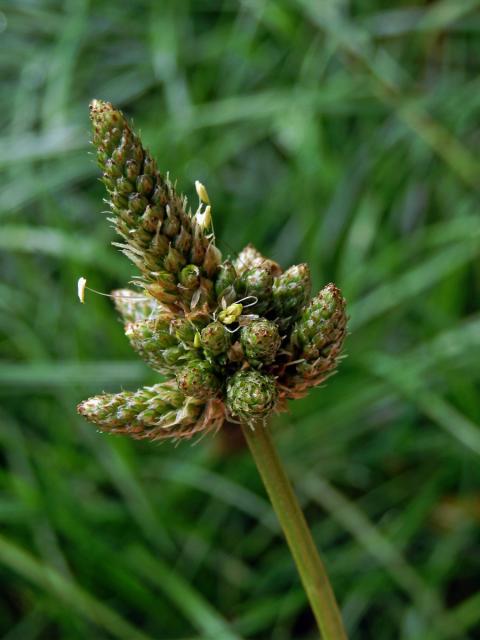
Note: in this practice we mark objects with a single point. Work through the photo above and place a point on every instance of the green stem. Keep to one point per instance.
(310, 567)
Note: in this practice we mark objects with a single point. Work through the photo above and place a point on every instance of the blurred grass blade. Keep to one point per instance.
(430, 403)
(200, 613)
(412, 282)
(379, 547)
(53, 242)
(66, 590)
(66, 374)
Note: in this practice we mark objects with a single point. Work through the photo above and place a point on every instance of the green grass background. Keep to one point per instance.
(340, 133)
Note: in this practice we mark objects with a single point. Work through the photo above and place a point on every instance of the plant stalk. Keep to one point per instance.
(309, 565)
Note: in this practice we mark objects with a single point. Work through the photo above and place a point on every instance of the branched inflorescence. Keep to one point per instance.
(234, 339)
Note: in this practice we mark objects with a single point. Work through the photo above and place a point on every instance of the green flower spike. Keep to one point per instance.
(291, 291)
(153, 412)
(317, 339)
(251, 395)
(260, 341)
(198, 380)
(235, 340)
(196, 319)
(160, 235)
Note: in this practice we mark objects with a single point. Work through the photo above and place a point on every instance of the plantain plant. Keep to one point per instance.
(233, 339)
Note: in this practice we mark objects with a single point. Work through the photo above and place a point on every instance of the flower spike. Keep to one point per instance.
(233, 337)
(160, 235)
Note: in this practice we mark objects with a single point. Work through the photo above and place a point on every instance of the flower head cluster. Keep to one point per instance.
(234, 339)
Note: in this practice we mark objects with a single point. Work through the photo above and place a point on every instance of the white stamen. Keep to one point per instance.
(81, 284)
(82, 287)
(202, 192)
(250, 304)
(204, 218)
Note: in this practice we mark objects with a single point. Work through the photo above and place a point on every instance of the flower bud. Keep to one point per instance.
(290, 292)
(151, 219)
(175, 357)
(124, 186)
(322, 322)
(185, 329)
(215, 339)
(212, 260)
(173, 261)
(224, 284)
(171, 223)
(137, 203)
(164, 289)
(183, 241)
(257, 282)
(251, 395)
(132, 170)
(260, 341)
(145, 184)
(249, 258)
(317, 339)
(198, 380)
(190, 276)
